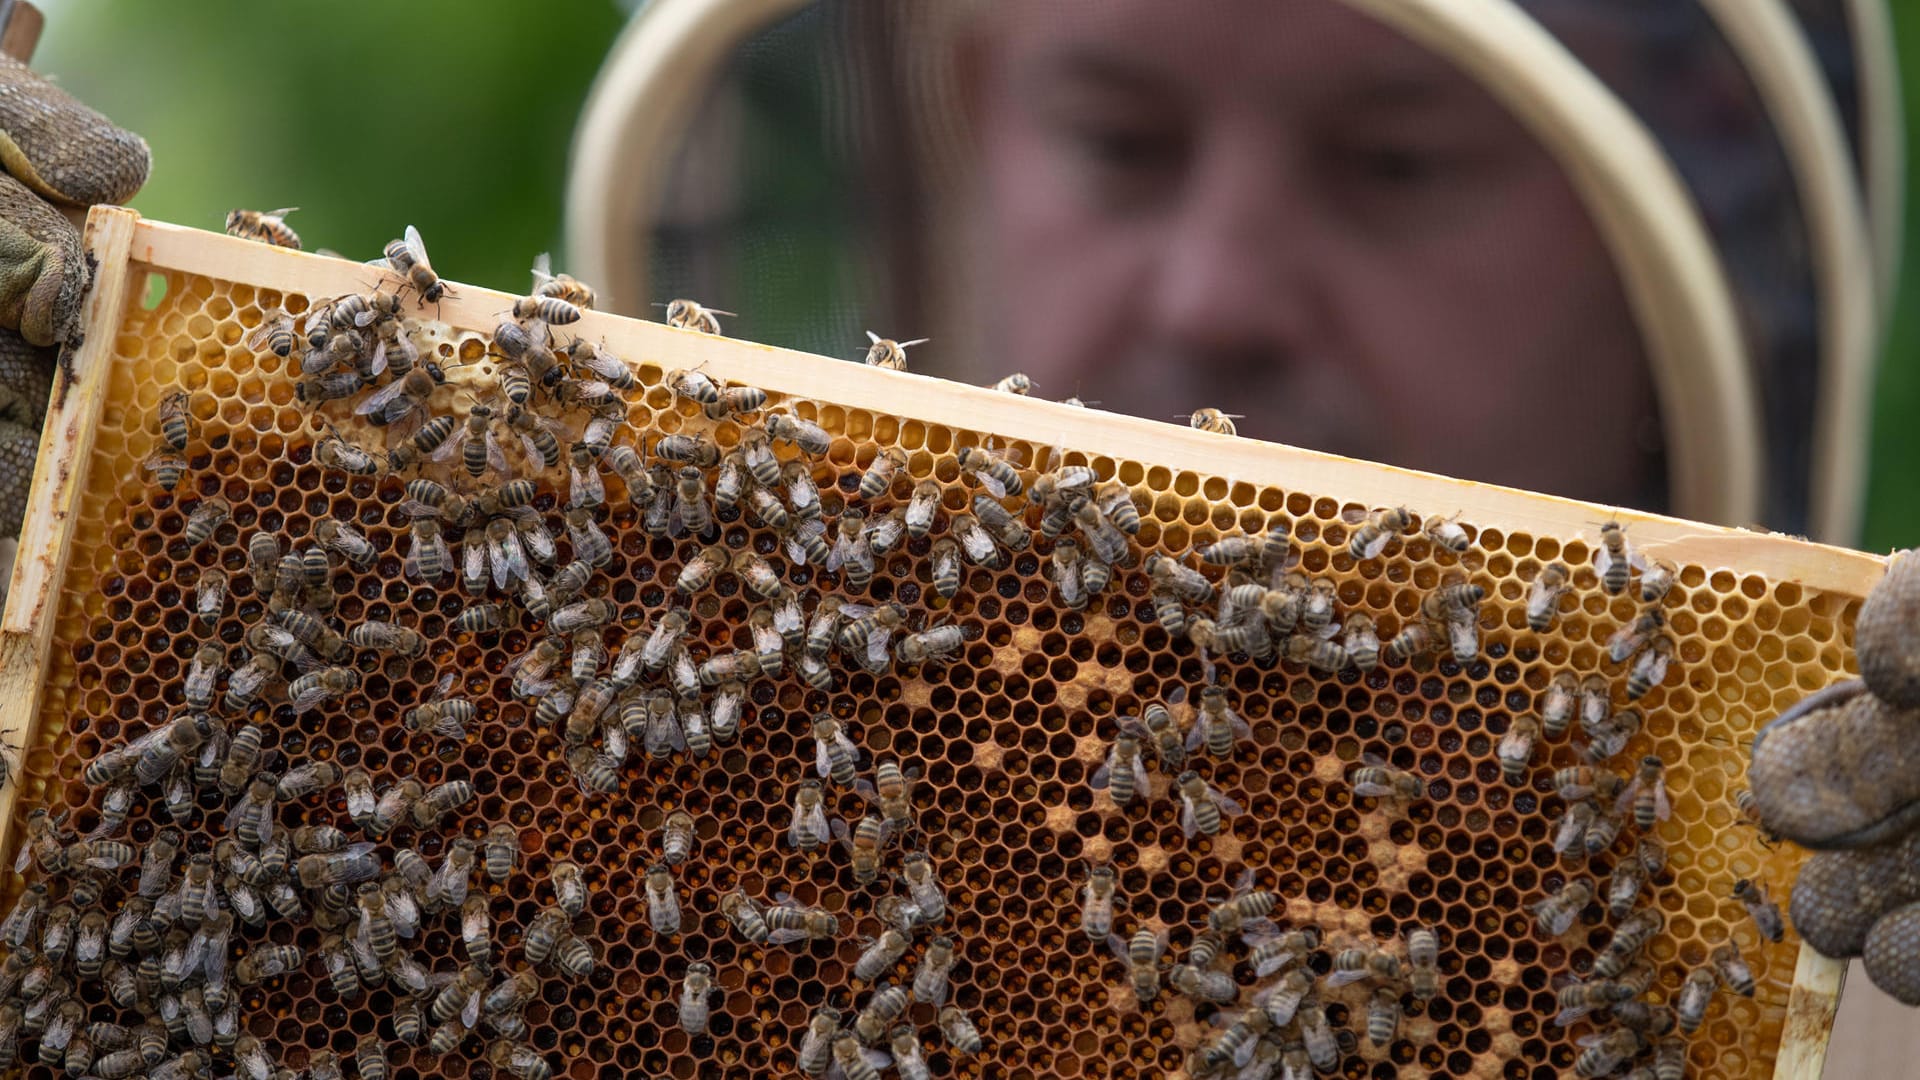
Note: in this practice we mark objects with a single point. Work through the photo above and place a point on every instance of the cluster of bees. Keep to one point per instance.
(1264, 609)
(651, 696)
(615, 690)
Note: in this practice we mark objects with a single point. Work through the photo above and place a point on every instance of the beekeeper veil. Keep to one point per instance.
(1611, 249)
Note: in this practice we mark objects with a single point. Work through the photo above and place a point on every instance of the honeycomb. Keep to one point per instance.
(1007, 736)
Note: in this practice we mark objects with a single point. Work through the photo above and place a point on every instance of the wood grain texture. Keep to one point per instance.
(59, 478)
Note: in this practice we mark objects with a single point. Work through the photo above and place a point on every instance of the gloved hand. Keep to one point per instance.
(54, 150)
(1840, 772)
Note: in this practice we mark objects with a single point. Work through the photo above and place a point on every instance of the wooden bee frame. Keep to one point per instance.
(1201, 466)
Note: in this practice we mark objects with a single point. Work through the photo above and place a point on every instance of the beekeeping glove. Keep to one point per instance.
(1840, 772)
(54, 150)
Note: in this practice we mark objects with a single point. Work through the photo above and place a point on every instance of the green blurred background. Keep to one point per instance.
(456, 117)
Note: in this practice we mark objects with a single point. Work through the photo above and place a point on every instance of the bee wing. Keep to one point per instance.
(878, 654)
(542, 270)
(1602, 560)
(1188, 824)
(1101, 778)
(1624, 803)
(379, 399)
(470, 1011)
(476, 560)
(1661, 808)
(453, 444)
(1227, 806)
(992, 484)
(418, 249)
(821, 762)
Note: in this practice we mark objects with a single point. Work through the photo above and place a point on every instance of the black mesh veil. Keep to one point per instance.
(855, 166)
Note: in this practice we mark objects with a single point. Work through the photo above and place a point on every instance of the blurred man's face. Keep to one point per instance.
(1283, 209)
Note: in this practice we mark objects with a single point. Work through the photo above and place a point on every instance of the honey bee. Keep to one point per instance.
(866, 631)
(1650, 667)
(959, 1031)
(1105, 542)
(1695, 995)
(1275, 953)
(1605, 1051)
(992, 471)
(1515, 751)
(883, 533)
(1543, 599)
(809, 828)
(789, 920)
(811, 438)
(1629, 939)
(1571, 834)
(944, 558)
(1141, 954)
(689, 315)
(350, 865)
(1646, 794)
(202, 673)
(1557, 913)
(1383, 1017)
(265, 226)
(1557, 707)
(1596, 703)
(1733, 969)
(408, 258)
(1764, 912)
(428, 560)
(1096, 907)
(325, 684)
(401, 398)
(1362, 641)
(1187, 583)
(1375, 529)
(1615, 560)
(1634, 636)
(440, 800)
(878, 479)
(881, 954)
(157, 752)
(1016, 383)
(888, 353)
(923, 886)
(1415, 640)
(1579, 782)
(976, 543)
(176, 420)
(1656, 580)
(1203, 808)
(1125, 771)
(834, 754)
(746, 916)
(1214, 421)
(1353, 965)
(1377, 779)
(816, 1048)
(1601, 834)
(1320, 655)
(1611, 737)
(206, 517)
(1202, 984)
(663, 904)
(863, 844)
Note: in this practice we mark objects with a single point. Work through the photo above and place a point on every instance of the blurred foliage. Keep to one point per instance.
(456, 117)
(451, 116)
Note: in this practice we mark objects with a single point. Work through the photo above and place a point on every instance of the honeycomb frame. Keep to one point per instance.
(1021, 759)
